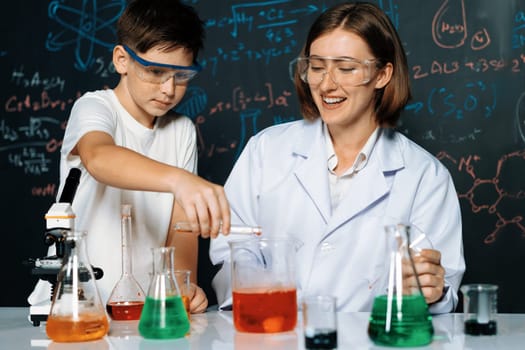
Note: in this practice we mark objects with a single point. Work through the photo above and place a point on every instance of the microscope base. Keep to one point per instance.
(39, 312)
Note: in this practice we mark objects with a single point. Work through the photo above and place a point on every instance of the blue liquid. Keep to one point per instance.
(413, 328)
(164, 319)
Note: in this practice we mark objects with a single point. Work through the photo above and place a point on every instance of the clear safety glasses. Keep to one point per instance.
(344, 71)
(159, 73)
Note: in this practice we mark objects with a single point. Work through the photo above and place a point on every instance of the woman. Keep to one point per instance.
(334, 179)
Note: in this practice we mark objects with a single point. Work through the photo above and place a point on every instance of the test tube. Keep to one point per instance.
(234, 229)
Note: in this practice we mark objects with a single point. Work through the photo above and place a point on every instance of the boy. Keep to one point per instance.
(131, 150)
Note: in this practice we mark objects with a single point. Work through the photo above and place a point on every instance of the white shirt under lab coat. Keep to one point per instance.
(280, 182)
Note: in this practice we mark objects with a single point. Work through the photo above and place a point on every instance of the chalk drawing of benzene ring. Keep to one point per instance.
(85, 26)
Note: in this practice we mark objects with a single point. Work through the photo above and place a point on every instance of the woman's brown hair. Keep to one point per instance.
(371, 24)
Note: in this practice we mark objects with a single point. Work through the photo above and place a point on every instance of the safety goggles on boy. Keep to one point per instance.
(344, 71)
(159, 73)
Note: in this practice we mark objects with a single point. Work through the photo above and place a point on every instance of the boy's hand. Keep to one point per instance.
(204, 204)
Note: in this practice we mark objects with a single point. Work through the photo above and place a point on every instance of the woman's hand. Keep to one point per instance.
(431, 275)
(198, 299)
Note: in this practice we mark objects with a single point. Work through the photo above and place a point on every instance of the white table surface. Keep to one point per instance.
(214, 331)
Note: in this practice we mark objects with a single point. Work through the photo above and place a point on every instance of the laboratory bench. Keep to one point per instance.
(214, 330)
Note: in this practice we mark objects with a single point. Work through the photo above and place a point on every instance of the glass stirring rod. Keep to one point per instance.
(234, 229)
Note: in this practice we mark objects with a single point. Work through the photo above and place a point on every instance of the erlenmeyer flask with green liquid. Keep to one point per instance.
(400, 318)
(163, 315)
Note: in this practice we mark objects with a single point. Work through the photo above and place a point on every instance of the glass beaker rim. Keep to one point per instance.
(480, 287)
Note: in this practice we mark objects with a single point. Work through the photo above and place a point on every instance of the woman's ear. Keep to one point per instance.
(121, 59)
(384, 75)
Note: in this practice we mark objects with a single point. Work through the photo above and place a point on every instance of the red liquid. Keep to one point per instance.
(88, 327)
(268, 312)
(125, 310)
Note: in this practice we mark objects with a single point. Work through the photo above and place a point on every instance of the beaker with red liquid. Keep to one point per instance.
(264, 284)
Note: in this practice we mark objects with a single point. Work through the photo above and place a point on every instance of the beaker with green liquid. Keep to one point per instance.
(400, 318)
(163, 315)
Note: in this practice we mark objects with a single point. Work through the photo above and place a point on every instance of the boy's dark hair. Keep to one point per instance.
(167, 23)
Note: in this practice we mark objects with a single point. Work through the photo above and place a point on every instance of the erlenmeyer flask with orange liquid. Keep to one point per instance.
(77, 313)
(127, 298)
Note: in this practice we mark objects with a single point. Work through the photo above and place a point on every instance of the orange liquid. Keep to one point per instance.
(268, 312)
(125, 310)
(186, 302)
(89, 327)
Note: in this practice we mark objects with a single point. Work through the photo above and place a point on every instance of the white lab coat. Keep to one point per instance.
(280, 182)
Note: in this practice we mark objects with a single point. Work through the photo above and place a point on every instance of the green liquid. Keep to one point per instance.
(164, 319)
(413, 328)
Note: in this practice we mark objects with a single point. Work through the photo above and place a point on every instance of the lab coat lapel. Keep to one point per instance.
(312, 173)
(371, 184)
(366, 188)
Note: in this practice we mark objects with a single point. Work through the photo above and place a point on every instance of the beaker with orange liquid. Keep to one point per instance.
(264, 284)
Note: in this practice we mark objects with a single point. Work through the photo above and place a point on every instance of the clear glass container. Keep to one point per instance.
(127, 298)
(480, 308)
(264, 288)
(77, 313)
(400, 318)
(164, 315)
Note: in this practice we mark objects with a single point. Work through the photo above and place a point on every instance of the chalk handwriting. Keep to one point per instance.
(475, 98)
(518, 32)
(17, 104)
(35, 80)
(36, 128)
(242, 52)
(30, 159)
(241, 100)
(49, 190)
(449, 26)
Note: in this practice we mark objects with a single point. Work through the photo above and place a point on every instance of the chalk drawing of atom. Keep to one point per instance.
(86, 24)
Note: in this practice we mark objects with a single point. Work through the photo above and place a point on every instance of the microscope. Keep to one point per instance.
(60, 219)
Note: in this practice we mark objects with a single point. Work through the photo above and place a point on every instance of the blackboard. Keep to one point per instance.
(467, 64)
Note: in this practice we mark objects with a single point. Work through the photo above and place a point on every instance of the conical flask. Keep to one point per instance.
(127, 298)
(164, 315)
(400, 318)
(77, 313)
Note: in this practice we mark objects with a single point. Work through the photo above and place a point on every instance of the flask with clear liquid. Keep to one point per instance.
(127, 298)
(77, 313)
(164, 315)
(400, 318)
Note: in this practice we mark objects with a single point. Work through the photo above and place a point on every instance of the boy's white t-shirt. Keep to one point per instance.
(97, 206)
